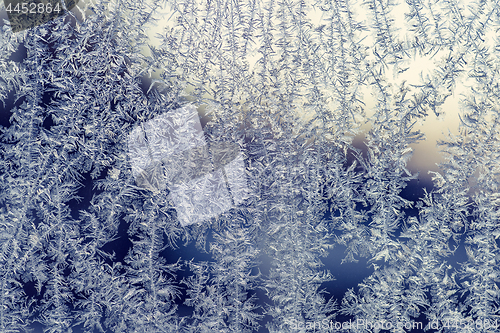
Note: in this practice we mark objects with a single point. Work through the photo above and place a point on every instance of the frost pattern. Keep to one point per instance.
(107, 175)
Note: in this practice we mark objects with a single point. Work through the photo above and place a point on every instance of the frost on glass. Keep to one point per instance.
(249, 169)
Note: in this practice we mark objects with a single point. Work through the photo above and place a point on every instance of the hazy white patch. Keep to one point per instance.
(235, 173)
(174, 132)
(201, 199)
(170, 150)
